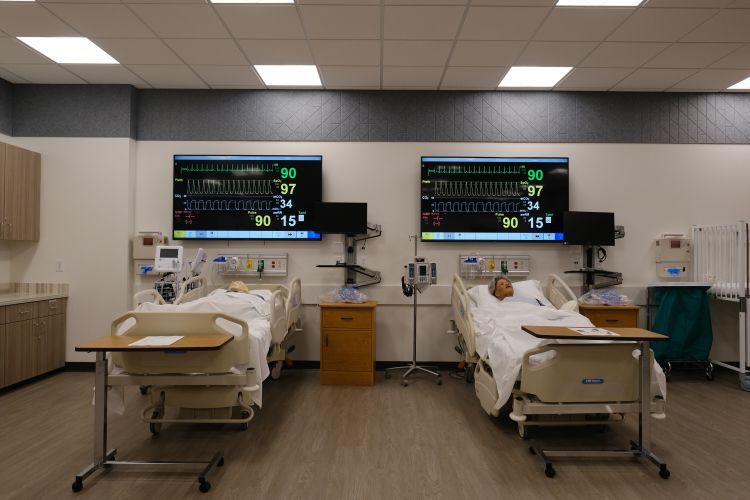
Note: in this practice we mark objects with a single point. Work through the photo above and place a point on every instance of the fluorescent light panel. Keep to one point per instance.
(743, 85)
(252, 1)
(289, 75)
(599, 3)
(534, 76)
(68, 49)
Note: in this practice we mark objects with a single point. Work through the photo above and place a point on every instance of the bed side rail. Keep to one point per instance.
(461, 306)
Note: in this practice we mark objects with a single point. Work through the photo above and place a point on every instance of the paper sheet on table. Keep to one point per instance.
(595, 331)
(157, 340)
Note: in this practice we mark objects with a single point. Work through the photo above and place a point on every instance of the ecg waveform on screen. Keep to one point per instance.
(478, 189)
(257, 205)
(229, 187)
(227, 167)
(477, 169)
(477, 206)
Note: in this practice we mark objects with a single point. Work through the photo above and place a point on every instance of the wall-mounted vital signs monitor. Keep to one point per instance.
(246, 197)
(493, 199)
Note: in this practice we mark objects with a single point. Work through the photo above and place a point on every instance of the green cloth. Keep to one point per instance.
(682, 313)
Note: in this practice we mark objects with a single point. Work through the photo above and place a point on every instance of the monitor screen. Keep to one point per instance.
(341, 218)
(245, 197)
(589, 228)
(493, 199)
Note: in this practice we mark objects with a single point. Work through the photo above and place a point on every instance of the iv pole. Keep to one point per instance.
(413, 367)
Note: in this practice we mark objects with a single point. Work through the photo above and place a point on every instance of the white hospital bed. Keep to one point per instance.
(551, 392)
(190, 289)
(202, 387)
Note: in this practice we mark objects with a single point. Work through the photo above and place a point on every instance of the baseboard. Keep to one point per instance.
(80, 366)
(30, 381)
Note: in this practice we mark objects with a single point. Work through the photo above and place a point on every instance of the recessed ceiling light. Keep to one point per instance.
(534, 76)
(289, 75)
(68, 49)
(599, 3)
(252, 1)
(743, 85)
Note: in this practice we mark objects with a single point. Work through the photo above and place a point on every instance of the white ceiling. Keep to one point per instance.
(663, 45)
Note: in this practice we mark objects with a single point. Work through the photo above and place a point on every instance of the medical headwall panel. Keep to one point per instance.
(246, 197)
(493, 199)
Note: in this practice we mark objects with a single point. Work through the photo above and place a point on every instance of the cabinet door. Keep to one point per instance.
(56, 341)
(19, 350)
(346, 350)
(21, 194)
(3, 356)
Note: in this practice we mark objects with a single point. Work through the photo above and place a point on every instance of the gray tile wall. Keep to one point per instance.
(367, 116)
(6, 107)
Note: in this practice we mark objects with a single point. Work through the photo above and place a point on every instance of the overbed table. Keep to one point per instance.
(101, 346)
(639, 449)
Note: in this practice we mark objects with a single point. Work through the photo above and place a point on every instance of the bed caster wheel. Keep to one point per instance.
(549, 471)
(387, 375)
(153, 427)
(469, 374)
(220, 463)
(664, 472)
(439, 381)
(404, 382)
(144, 389)
(276, 370)
(204, 487)
(744, 382)
(709, 371)
(77, 486)
(532, 450)
(243, 426)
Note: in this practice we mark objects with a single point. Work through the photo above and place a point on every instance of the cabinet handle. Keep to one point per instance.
(22, 312)
(612, 320)
(326, 340)
(346, 318)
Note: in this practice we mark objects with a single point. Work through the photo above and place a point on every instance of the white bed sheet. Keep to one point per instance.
(501, 341)
(254, 308)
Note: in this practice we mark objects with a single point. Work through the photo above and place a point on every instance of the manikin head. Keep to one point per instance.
(501, 287)
(238, 286)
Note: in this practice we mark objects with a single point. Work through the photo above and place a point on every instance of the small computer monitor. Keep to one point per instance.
(589, 228)
(340, 218)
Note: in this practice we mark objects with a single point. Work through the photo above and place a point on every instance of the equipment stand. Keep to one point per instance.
(413, 367)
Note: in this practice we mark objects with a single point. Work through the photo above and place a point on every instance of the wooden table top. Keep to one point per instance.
(187, 343)
(563, 332)
(364, 305)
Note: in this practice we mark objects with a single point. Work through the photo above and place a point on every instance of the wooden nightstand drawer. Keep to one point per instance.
(21, 312)
(612, 316)
(358, 319)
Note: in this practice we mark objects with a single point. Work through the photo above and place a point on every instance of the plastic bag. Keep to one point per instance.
(344, 294)
(605, 296)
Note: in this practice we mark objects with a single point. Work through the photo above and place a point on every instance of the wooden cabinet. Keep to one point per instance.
(347, 343)
(20, 180)
(611, 316)
(32, 340)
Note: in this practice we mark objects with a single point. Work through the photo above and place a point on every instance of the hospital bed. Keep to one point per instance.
(551, 392)
(201, 387)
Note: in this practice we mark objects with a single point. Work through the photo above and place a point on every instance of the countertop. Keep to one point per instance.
(10, 298)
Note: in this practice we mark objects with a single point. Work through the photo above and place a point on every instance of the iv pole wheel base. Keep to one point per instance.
(549, 471)
(744, 382)
(387, 375)
(204, 487)
(438, 380)
(664, 472)
(77, 485)
(404, 382)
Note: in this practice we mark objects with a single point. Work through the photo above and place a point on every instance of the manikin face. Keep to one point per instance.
(503, 289)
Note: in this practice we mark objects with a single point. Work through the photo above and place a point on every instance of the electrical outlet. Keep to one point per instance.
(59, 265)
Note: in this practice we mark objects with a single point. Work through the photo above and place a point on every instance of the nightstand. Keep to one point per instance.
(347, 343)
(613, 316)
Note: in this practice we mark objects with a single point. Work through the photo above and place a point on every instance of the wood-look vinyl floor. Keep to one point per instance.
(382, 442)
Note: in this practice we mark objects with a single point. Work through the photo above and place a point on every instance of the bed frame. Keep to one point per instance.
(551, 393)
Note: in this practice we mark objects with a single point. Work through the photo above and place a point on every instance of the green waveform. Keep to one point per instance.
(478, 169)
(226, 167)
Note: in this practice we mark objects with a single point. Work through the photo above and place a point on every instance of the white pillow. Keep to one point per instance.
(480, 295)
(530, 289)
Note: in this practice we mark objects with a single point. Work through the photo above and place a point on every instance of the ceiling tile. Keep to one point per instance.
(732, 25)
(653, 79)
(466, 78)
(581, 24)
(106, 74)
(715, 80)
(262, 21)
(350, 76)
(475, 53)
(425, 23)
(622, 54)
(425, 2)
(80, 1)
(338, 2)
(555, 53)
(502, 23)
(224, 52)
(10, 77)
(341, 22)
(277, 51)
(138, 50)
(739, 59)
(516, 3)
(168, 77)
(692, 55)
(660, 25)
(703, 4)
(43, 73)
(415, 53)
(110, 21)
(593, 78)
(405, 77)
(346, 52)
(181, 21)
(149, 1)
(13, 51)
(240, 76)
(28, 19)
